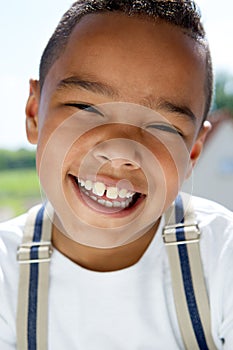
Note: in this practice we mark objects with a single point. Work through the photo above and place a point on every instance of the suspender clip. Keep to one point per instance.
(181, 234)
(34, 252)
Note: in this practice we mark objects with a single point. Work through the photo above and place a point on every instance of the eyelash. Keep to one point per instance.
(83, 107)
(166, 128)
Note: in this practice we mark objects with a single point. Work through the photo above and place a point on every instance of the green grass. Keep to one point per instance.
(19, 190)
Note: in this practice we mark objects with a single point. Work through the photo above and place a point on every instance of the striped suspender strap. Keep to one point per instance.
(181, 236)
(34, 256)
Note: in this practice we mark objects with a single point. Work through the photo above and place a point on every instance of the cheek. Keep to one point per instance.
(172, 156)
(170, 169)
(77, 152)
(57, 134)
(169, 149)
(173, 170)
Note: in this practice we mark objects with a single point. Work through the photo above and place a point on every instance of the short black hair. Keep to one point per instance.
(182, 13)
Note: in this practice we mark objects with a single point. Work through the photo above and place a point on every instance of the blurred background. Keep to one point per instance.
(26, 27)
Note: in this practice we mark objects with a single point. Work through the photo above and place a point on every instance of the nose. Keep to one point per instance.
(118, 163)
(119, 153)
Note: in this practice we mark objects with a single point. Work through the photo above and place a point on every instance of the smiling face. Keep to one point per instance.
(117, 126)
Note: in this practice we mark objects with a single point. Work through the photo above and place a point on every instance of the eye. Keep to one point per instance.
(166, 128)
(84, 107)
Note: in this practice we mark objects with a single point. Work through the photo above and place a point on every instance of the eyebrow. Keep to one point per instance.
(90, 84)
(177, 109)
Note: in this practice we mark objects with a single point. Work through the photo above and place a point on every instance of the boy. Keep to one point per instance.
(118, 116)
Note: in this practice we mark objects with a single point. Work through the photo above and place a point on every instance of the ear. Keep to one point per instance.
(198, 146)
(31, 110)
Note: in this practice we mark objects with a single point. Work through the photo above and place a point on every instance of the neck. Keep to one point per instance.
(103, 260)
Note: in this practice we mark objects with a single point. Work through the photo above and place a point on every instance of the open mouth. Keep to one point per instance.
(107, 198)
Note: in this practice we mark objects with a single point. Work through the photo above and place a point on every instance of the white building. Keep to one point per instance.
(213, 176)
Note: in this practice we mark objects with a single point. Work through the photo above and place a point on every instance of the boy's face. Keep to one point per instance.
(133, 149)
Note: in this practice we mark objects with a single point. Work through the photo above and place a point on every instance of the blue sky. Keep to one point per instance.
(25, 29)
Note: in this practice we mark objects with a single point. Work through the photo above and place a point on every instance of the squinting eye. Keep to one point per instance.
(84, 107)
(166, 128)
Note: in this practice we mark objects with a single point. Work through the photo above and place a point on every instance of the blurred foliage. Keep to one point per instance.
(19, 185)
(223, 92)
(19, 159)
(19, 190)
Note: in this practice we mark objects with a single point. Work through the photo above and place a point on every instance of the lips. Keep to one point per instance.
(107, 196)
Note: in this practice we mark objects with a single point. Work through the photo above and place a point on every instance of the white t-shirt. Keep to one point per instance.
(129, 309)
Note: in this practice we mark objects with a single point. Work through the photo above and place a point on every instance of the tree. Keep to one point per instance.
(20, 159)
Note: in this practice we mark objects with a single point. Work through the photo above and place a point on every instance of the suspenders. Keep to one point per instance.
(34, 256)
(181, 236)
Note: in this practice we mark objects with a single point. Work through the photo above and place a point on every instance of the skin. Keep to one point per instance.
(144, 63)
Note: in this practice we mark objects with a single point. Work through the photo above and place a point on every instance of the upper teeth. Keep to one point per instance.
(99, 189)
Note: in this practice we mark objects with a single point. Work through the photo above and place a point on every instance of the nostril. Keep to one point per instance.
(117, 162)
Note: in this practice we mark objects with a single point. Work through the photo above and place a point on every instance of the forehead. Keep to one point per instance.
(137, 57)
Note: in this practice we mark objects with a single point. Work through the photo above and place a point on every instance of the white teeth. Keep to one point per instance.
(99, 188)
(116, 204)
(112, 193)
(123, 205)
(88, 185)
(123, 193)
(108, 204)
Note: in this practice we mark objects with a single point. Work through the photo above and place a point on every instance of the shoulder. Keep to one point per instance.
(210, 213)
(11, 231)
(215, 223)
(216, 244)
(216, 241)
(216, 226)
